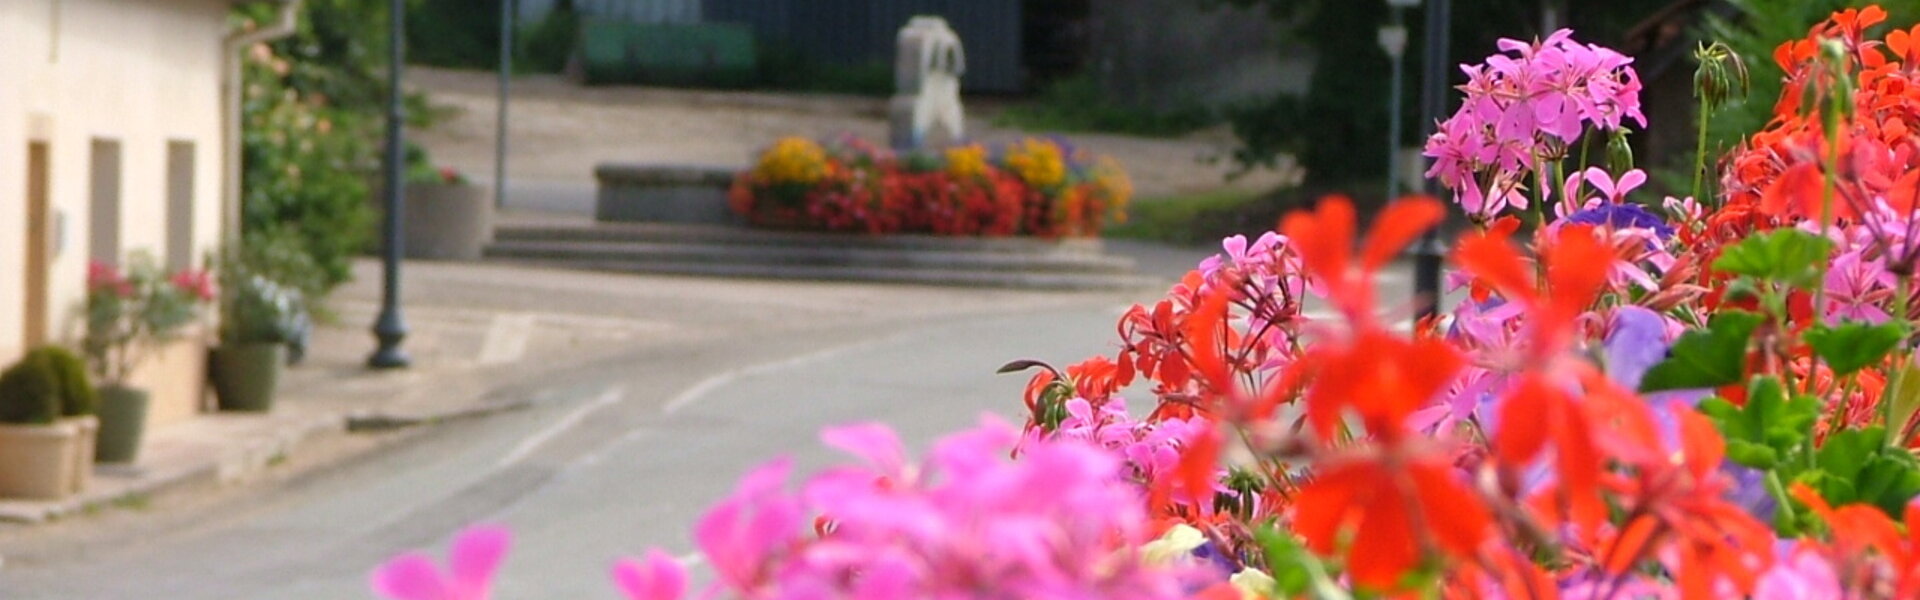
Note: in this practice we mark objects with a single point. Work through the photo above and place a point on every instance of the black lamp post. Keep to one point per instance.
(390, 328)
(507, 14)
(1433, 106)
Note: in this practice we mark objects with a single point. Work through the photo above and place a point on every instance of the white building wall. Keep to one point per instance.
(140, 71)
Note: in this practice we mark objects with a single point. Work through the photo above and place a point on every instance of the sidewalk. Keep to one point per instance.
(476, 330)
(460, 357)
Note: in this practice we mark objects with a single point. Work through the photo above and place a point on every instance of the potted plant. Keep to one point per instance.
(37, 450)
(128, 314)
(446, 217)
(79, 402)
(281, 257)
(259, 317)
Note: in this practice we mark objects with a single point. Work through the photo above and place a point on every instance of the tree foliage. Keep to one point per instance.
(1338, 129)
(312, 124)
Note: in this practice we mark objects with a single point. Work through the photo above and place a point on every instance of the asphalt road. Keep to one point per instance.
(615, 457)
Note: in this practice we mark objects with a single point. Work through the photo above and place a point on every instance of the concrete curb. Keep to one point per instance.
(241, 457)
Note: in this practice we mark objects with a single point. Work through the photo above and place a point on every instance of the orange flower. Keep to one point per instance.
(1325, 241)
(1396, 508)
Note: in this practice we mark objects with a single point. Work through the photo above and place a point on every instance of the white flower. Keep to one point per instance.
(1175, 545)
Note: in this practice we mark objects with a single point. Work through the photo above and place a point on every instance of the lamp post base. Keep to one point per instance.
(389, 331)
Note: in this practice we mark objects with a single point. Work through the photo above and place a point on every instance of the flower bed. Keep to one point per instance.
(1712, 398)
(1037, 187)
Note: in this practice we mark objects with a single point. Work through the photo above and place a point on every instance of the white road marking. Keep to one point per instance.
(533, 442)
(506, 339)
(718, 380)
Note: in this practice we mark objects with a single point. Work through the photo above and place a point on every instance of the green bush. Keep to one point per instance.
(545, 46)
(785, 67)
(312, 124)
(1204, 218)
(454, 33)
(29, 393)
(1079, 104)
(77, 394)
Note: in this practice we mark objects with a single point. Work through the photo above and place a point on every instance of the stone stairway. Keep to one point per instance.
(725, 251)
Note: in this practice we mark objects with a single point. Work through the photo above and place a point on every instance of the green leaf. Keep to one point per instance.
(1770, 429)
(1902, 397)
(1752, 455)
(1288, 561)
(1853, 345)
(1847, 452)
(1856, 466)
(1706, 358)
(1788, 256)
(1890, 479)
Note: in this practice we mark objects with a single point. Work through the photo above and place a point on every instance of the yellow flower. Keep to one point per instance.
(1038, 162)
(1114, 187)
(967, 162)
(792, 160)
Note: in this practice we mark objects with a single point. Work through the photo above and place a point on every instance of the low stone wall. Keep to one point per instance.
(663, 193)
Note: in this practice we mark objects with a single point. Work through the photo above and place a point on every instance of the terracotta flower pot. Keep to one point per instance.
(447, 221)
(36, 461)
(245, 375)
(123, 422)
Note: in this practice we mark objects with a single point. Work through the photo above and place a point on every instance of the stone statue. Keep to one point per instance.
(926, 73)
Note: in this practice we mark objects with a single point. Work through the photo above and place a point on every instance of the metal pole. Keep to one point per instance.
(1393, 107)
(390, 328)
(1433, 105)
(507, 14)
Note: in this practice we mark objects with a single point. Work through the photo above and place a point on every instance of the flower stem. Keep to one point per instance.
(1780, 498)
(1700, 149)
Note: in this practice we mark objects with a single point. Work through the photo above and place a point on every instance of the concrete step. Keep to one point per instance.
(679, 233)
(1065, 281)
(782, 256)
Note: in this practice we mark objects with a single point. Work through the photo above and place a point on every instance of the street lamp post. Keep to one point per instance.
(507, 13)
(390, 328)
(1393, 39)
(1433, 105)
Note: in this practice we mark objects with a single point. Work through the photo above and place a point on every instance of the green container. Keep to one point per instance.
(123, 421)
(671, 54)
(245, 375)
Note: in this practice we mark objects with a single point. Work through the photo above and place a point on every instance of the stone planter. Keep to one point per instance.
(663, 193)
(245, 375)
(444, 221)
(36, 461)
(88, 428)
(123, 422)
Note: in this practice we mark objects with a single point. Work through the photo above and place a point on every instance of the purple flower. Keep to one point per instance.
(1636, 340)
(1622, 216)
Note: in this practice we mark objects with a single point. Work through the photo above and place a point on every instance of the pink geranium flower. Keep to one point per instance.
(1856, 288)
(655, 576)
(476, 555)
(196, 283)
(1525, 107)
(103, 277)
